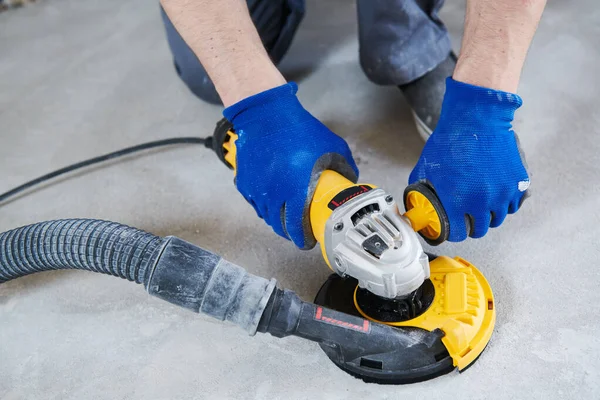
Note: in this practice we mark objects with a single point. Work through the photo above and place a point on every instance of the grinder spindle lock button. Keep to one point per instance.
(375, 246)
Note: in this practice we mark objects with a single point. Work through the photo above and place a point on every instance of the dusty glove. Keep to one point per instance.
(281, 151)
(473, 159)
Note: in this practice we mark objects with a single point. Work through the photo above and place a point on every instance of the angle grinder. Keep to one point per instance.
(382, 273)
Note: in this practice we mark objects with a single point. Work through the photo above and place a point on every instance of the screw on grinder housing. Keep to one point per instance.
(383, 274)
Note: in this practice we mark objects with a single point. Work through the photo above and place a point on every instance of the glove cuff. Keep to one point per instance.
(262, 101)
(475, 102)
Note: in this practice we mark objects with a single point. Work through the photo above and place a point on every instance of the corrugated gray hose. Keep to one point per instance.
(92, 245)
(169, 268)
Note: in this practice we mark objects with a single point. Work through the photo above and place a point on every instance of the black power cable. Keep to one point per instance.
(110, 156)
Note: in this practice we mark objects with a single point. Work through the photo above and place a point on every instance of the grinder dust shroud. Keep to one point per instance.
(451, 317)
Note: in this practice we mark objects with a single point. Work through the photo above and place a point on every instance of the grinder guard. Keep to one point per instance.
(452, 332)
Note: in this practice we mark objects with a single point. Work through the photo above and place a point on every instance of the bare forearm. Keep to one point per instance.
(496, 40)
(223, 37)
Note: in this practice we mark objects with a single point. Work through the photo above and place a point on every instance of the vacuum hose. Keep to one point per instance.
(88, 244)
(169, 268)
(191, 277)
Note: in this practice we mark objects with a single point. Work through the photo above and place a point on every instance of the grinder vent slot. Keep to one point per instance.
(389, 226)
(368, 209)
(363, 230)
(392, 223)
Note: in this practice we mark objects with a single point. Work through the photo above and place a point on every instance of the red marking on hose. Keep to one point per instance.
(319, 316)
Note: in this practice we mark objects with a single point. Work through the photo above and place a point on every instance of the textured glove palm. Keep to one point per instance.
(281, 151)
(473, 159)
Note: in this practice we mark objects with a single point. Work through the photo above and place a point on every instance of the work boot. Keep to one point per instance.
(425, 95)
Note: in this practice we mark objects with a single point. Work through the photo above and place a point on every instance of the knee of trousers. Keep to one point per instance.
(394, 61)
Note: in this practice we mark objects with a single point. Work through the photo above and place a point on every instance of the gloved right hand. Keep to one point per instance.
(281, 151)
(473, 159)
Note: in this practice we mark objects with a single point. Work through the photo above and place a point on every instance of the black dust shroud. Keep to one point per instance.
(422, 358)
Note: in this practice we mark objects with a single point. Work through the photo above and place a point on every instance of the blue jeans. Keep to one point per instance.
(400, 40)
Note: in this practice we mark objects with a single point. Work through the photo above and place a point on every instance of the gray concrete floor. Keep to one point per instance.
(80, 78)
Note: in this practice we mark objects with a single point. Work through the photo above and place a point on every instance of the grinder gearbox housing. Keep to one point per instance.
(368, 240)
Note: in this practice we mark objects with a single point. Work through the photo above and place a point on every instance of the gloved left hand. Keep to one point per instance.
(473, 159)
(281, 151)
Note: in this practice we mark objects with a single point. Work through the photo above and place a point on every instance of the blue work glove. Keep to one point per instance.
(281, 151)
(473, 159)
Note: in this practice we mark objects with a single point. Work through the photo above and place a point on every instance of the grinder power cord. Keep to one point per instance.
(100, 159)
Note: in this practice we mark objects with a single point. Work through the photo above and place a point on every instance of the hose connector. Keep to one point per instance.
(193, 278)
